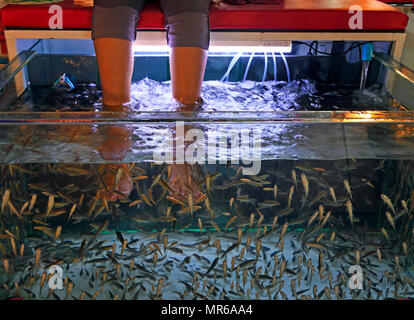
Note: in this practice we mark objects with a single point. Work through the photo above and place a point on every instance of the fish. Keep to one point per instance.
(13, 209)
(313, 217)
(268, 204)
(260, 220)
(190, 201)
(305, 184)
(119, 237)
(316, 245)
(175, 201)
(140, 178)
(305, 168)
(284, 229)
(325, 219)
(57, 234)
(135, 203)
(404, 204)
(50, 203)
(157, 178)
(6, 265)
(32, 203)
(207, 204)
(390, 219)
(348, 188)
(318, 197)
(230, 248)
(385, 233)
(404, 246)
(118, 176)
(155, 259)
(294, 176)
(245, 198)
(213, 264)
(251, 220)
(200, 224)
(291, 190)
(331, 239)
(332, 193)
(274, 222)
(5, 199)
(348, 205)
(123, 246)
(215, 226)
(319, 238)
(379, 255)
(388, 202)
(231, 220)
(247, 263)
(45, 230)
(69, 290)
(165, 185)
(282, 268)
(144, 197)
(258, 248)
(239, 235)
(25, 205)
(55, 213)
(72, 210)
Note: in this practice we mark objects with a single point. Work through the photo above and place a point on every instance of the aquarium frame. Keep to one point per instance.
(160, 117)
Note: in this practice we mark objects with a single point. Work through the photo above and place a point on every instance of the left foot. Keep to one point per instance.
(124, 187)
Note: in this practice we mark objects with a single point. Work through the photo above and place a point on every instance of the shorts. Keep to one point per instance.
(187, 21)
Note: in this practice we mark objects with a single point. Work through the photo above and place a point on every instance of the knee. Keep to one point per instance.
(188, 29)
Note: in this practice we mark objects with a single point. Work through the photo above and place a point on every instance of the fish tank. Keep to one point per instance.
(295, 179)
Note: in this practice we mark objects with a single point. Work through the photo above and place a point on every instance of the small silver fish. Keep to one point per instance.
(305, 183)
(348, 188)
(332, 192)
(390, 219)
(388, 202)
(291, 190)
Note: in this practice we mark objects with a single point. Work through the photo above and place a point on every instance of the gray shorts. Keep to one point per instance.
(186, 21)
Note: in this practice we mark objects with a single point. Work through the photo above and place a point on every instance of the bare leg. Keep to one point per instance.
(187, 66)
(116, 63)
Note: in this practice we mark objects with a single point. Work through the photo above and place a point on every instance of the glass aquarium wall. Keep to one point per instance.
(288, 183)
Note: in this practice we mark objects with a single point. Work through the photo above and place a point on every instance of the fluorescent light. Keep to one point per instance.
(220, 42)
(220, 49)
(153, 48)
(251, 49)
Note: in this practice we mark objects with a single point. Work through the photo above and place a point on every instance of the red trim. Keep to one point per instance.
(288, 15)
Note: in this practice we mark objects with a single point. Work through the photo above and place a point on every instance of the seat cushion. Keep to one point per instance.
(288, 15)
